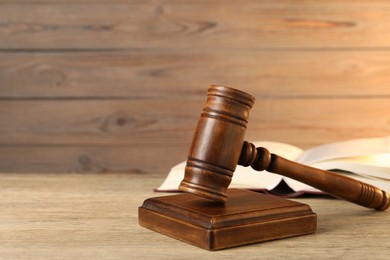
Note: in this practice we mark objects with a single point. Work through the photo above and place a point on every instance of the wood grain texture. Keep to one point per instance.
(120, 136)
(194, 24)
(174, 74)
(50, 216)
(110, 78)
(163, 122)
(91, 158)
(246, 218)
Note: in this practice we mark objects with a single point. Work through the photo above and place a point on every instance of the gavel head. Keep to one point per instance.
(217, 143)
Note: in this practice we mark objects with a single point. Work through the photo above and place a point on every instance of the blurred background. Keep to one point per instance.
(117, 86)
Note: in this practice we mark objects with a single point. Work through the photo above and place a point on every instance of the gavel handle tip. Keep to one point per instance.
(385, 202)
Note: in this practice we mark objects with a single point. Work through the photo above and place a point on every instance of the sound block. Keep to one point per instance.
(247, 217)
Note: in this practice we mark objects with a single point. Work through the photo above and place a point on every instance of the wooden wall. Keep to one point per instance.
(117, 86)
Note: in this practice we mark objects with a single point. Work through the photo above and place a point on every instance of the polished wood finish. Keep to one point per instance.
(218, 147)
(66, 80)
(248, 217)
(335, 184)
(213, 154)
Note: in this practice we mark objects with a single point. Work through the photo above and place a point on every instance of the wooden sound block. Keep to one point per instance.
(247, 217)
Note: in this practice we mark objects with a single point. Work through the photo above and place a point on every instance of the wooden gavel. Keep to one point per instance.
(218, 146)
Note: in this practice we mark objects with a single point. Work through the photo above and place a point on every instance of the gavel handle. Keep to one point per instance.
(334, 184)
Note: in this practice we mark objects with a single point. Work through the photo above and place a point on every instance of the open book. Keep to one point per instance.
(367, 160)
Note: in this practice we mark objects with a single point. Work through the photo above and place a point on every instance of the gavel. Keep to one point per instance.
(218, 146)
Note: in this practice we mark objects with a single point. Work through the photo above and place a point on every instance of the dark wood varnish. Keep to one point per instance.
(218, 147)
(248, 217)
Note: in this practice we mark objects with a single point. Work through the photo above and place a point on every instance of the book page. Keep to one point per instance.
(287, 151)
(374, 166)
(351, 148)
(374, 169)
(243, 177)
(175, 176)
(299, 186)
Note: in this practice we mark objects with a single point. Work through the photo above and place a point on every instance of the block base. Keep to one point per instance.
(247, 217)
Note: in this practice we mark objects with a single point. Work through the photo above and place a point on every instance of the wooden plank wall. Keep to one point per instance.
(117, 86)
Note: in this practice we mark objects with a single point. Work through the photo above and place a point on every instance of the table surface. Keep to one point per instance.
(95, 216)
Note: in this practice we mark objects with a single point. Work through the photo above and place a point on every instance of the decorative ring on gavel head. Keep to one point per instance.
(217, 143)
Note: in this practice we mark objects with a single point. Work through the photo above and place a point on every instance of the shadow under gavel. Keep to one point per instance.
(218, 146)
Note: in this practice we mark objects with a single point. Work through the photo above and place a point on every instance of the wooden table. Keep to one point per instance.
(94, 216)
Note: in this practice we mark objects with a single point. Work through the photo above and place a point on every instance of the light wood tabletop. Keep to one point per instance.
(95, 216)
